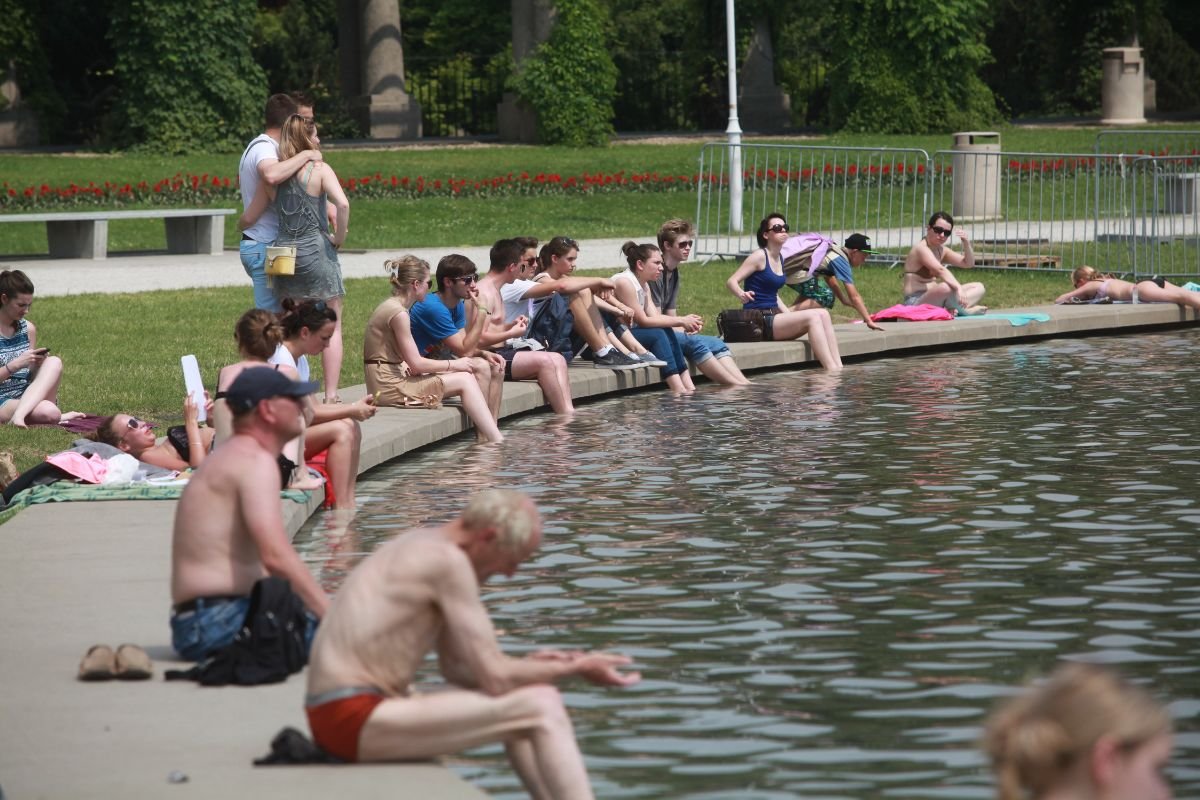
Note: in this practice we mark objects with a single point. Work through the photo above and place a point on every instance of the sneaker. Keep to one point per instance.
(615, 359)
(651, 360)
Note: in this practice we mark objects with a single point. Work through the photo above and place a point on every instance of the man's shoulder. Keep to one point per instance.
(262, 146)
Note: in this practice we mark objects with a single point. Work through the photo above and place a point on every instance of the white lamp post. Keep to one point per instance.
(734, 130)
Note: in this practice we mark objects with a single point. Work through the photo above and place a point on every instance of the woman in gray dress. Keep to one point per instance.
(301, 202)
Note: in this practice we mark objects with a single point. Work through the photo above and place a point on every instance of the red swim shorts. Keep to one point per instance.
(336, 725)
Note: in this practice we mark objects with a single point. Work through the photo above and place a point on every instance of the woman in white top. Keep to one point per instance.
(308, 326)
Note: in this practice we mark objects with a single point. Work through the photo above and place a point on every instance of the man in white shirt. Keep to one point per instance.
(260, 162)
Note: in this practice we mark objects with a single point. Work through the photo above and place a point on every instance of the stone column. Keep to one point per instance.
(373, 70)
(18, 125)
(532, 21)
(1122, 88)
(763, 107)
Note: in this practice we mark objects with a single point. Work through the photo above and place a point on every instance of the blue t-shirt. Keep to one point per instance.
(839, 268)
(432, 322)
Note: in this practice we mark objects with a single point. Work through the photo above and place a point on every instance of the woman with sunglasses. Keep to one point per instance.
(184, 446)
(308, 327)
(398, 374)
(928, 281)
(1084, 734)
(757, 282)
(301, 202)
(1092, 287)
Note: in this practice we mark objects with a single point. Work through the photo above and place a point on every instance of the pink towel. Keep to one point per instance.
(89, 469)
(921, 313)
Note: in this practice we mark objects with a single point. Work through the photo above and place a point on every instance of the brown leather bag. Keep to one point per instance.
(741, 324)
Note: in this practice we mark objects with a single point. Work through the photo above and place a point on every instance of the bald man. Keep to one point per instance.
(420, 592)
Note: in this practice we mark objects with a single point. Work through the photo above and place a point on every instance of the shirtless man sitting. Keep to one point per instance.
(418, 592)
(927, 279)
(229, 528)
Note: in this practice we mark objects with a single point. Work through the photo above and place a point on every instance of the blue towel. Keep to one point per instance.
(1017, 320)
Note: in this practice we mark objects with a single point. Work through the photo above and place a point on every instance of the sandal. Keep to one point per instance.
(98, 664)
(332, 400)
(132, 663)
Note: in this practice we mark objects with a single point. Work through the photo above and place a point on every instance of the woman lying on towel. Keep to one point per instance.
(185, 445)
(1092, 287)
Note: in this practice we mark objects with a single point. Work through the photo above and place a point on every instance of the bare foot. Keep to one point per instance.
(18, 423)
(70, 415)
(307, 483)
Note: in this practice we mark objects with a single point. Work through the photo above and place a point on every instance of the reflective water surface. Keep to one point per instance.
(827, 582)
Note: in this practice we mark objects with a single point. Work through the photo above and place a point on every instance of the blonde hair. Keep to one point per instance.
(295, 136)
(1037, 738)
(1084, 274)
(512, 513)
(404, 270)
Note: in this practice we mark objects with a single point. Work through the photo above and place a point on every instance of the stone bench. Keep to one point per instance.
(84, 234)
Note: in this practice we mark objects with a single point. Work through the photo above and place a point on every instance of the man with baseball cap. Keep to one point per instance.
(831, 276)
(229, 530)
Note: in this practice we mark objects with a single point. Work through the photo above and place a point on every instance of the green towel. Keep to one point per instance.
(64, 491)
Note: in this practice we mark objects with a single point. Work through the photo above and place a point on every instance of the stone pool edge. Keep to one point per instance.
(83, 573)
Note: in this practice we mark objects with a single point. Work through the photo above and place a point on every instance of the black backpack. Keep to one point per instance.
(551, 326)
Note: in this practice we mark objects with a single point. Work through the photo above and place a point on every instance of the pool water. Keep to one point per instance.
(828, 581)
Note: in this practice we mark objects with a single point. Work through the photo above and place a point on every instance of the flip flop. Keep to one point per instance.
(132, 663)
(98, 664)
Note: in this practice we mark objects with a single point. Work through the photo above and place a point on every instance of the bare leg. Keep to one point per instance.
(732, 368)
(818, 326)
(584, 327)
(970, 295)
(331, 356)
(675, 384)
(343, 438)
(804, 304)
(460, 384)
(39, 402)
(550, 369)
(714, 370)
(448, 722)
(1149, 292)
(524, 760)
(627, 344)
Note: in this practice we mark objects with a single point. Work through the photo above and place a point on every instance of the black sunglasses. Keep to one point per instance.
(686, 243)
(466, 278)
(779, 227)
(941, 231)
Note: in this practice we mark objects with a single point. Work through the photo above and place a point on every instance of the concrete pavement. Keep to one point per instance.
(83, 573)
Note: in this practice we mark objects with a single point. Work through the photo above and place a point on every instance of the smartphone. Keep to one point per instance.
(41, 351)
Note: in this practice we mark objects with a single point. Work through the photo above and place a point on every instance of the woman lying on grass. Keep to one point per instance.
(185, 445)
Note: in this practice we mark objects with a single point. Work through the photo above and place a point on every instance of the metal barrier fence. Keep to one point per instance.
(1122, 214)
(831, 190)
(1165, 235)
(458, 97)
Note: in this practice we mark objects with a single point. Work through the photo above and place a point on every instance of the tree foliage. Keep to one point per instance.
(186, 77)
(911, 66)
(570, 79)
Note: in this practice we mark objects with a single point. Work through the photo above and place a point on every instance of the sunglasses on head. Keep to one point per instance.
(941, 231)
(779, 227)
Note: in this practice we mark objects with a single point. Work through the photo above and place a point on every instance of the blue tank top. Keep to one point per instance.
(11, 347)
(766, 285)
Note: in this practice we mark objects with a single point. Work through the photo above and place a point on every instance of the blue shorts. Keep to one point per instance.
(213, 623)
(699, 348)
(254, 261)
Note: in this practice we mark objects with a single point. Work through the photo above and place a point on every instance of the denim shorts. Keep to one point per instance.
(254, 261)
(213, 623)
(699, 348)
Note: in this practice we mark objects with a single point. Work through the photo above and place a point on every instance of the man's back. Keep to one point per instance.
(387, 615)
(212, 552)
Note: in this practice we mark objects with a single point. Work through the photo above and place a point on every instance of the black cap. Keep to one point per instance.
(857, 241)
(260, 383)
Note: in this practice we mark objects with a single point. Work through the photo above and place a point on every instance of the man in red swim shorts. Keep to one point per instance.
(419, 592)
